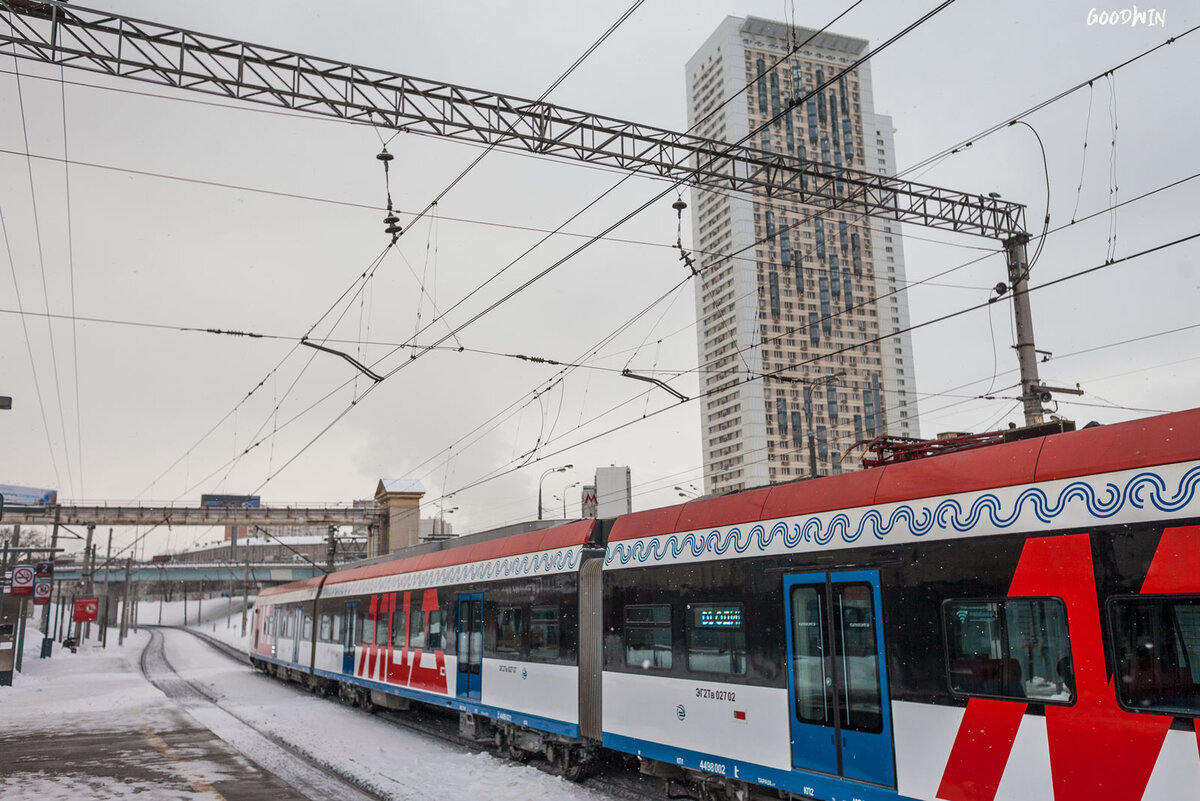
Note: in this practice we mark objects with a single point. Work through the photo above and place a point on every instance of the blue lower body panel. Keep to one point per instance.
(449, 702)
(801, 782)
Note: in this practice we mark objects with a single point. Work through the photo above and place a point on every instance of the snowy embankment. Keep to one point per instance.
(102, 690)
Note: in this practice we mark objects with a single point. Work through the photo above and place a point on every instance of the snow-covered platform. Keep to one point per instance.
(167, 716)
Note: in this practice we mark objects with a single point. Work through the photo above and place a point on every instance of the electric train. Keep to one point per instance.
(1012, 621)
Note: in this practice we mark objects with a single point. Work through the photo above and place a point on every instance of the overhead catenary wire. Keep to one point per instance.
(366, 276)
(37, 230)
(537, 358)
(925, 324)
(37, 384)
(71, 279)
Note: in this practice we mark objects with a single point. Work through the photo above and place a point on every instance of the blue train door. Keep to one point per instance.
(837, 684)
(470, 645)
(349, 636)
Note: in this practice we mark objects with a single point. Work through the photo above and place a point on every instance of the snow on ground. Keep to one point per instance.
(102, 691)
(55, 692)
(392, 761)
(219, 612)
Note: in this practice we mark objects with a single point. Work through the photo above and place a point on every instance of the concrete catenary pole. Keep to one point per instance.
(46, 636)
(245, 591)
(87, 576)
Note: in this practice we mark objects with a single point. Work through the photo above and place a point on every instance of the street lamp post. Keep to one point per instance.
(442, 521)
(563, 498)
(689, 491)
(809, 386)
(562, 469)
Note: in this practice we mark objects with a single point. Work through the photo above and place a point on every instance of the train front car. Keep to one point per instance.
(489, 628)
(281, 637)
(1018, 621)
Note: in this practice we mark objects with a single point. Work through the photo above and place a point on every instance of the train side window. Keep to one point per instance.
(716, 638)
(324, 632)
(381, 628)
(543, 631)
(648, 636)
(335, 628)
(508, 630)
(306, 634)
(363, 632)
(399, 628)
(435, 637)
(416, 629)
(1016, 648)
(1156, 644)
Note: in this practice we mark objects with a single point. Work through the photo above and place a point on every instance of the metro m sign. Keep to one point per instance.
(22, 581)
(588, 504)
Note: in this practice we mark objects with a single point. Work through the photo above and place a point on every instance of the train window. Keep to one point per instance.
(808, 655)
(416, 629)
(335, 628)
(325, 629)
(1015, 648)
(854, 621)
(399, 628)
(307, 633)
(435, 637)
(381, 628)
(508, 630)
(1156, 643)
(543, 631)
(363, 631)
(648, 636)
(716, 638)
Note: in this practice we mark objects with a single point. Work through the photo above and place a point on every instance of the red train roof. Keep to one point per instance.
(568, 535)
(1122, 446)
(315, 581)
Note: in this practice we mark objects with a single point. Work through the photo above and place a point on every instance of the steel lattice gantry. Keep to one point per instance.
(120, 46)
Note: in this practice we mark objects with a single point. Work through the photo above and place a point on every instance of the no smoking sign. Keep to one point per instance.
(41, 591)
(22, 580)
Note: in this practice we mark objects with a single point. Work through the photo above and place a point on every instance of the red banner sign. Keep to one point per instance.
(86, 610)
(22, 580)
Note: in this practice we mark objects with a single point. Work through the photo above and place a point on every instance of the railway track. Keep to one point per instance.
(308, 773)
(616, 778)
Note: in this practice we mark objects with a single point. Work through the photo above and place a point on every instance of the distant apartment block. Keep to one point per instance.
(787, 290)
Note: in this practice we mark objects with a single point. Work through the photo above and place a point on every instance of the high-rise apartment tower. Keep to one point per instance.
(790, 294)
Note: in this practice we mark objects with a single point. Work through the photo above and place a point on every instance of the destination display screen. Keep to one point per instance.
(713, 616)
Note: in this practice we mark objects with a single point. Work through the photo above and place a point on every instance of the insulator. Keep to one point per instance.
(393, 229)
(385, 155)
(391, 219)
(679, 205)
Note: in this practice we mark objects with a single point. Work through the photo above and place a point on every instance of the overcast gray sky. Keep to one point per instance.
(133, 420)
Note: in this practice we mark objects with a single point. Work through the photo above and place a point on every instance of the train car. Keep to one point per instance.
(498, 629)
(281, 628)
(1019, 621)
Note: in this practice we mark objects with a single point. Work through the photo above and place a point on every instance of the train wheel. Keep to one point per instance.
(569, 766)
(510, 750)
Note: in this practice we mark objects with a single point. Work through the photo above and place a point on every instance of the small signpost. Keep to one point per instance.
(86, 610)
(22, 581)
